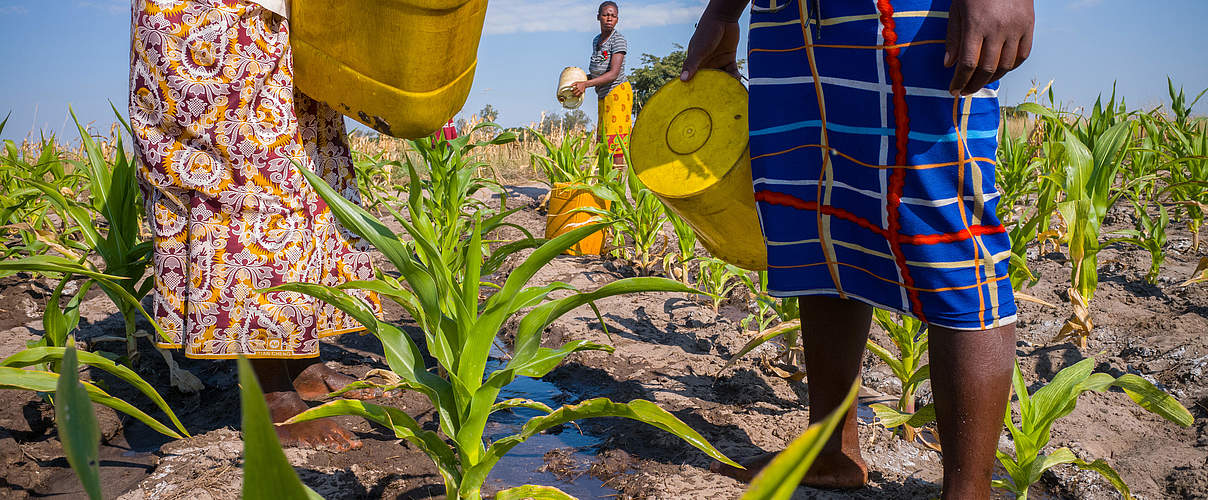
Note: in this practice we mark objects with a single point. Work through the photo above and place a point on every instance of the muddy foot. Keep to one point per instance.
(318, 380)
(830, 470)
(323, 433)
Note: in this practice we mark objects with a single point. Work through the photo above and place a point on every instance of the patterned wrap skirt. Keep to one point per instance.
(218, 127)
(872, 182)
(615, 112)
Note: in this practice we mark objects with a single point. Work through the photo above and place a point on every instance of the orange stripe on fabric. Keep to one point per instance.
(837, 46)
(869, 165)
(960, 203)
(978, 285)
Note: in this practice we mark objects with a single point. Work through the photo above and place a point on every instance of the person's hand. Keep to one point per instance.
(580, 88)
(986, 39)
(714, 45)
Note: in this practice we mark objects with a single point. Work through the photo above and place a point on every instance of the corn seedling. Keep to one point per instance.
(459, 328)
(716, 279)
(1039, 410)
(635, 213)
(1150, 234)
(910, 338)
(676, 264)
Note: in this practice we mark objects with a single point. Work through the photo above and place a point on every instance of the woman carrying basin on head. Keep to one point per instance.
(218, 128)
(606, 72)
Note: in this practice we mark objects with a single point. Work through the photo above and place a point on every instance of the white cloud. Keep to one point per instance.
(7, 8)
(532, 16)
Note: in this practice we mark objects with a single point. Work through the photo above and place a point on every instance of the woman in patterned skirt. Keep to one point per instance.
(874, 129)
(218, 126)
(606, 72)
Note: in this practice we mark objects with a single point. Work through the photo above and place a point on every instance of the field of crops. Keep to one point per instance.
(504, 363)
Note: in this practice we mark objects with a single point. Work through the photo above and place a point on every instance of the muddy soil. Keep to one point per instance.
(669, 349)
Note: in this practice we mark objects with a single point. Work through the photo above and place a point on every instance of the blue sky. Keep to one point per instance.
(57, 53)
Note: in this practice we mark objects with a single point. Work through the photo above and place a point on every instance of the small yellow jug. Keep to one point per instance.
(401, 67)
(690, 147)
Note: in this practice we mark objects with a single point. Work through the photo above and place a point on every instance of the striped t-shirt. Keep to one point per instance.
(601, 60)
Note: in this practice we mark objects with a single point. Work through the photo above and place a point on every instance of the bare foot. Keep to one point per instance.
(322, 433)
(318, 380)
(835, 470)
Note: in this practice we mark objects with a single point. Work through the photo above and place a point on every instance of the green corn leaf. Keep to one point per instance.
(779, 479)
(53, 264)
(1045, 462)
(891, 417)
(1052, 399)
(1153, 399)
(1108, 473)
(42, 381)
(267, 474)
(640, 410)
(396, 420)
(767, 335)
(521, 403)
(77, 425)
(39, 355)
(533, 492)
(528, 333)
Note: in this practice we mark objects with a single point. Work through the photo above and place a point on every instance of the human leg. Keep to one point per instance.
(834, 332)
(971, 380)
(284, 402)
(314, 379)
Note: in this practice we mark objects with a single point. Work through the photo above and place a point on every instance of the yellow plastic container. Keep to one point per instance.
(560, 218)
(690, 147)
(401, 67)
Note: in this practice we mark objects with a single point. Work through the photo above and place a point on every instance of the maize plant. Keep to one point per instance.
(910, 338)
(676, 264)
(447, 196)
(767, 311)
(1088, 161)
(1038, 411)
(1184, 144)
(1150, 234)
(459, 328)
(635, 213)
(569, 163)
(374, 173)
(716, 279)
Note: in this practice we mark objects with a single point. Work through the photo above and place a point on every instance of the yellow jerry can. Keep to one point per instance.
(401, 67)
(690, 147)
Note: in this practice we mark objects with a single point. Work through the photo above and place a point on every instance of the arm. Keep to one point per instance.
(715, 42)
(986, 39)
(614, 70)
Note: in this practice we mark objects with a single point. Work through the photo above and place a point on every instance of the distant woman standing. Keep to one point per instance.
(606, 72)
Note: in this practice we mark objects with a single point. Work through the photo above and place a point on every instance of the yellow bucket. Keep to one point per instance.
(690, 147)
(401, 67)
(561, 218)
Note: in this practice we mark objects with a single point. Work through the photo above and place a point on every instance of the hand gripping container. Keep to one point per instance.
(690, 147)
(401, 67)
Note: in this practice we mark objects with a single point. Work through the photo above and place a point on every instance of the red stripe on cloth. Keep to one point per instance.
(901, 139)
(788, 200)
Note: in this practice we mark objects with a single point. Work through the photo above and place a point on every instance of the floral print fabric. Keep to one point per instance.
(218, 127)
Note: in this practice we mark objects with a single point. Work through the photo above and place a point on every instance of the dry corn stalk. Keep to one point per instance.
(1200, 275)
(1079, 324)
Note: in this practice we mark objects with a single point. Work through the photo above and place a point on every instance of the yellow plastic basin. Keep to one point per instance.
(401, 67)
(690, 147)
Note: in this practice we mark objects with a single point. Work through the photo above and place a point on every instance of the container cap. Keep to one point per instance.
(689, 135)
